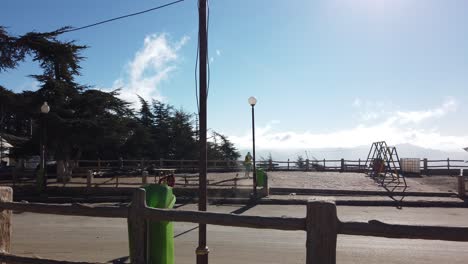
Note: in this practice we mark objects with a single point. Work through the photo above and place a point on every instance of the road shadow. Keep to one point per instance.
(185, 232)
(241, 210)
(120, 260)
(393, 186)
(244, 208)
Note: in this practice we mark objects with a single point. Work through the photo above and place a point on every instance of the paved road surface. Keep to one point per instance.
(100, 239)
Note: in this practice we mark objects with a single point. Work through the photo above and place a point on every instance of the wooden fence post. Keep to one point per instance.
(266, 189)
(6, 195)
(342, 166)
(137, 226)
(448, 166)
(324, 164)
(121, 163)
(288, 164)
(359, 165)
(426, 172)
(89, 179)
(322, 228)
(461, 185)
(307, 164)
(144, 177)
(14, 175)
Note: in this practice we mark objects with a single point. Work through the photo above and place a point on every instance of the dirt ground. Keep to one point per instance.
(101, 239)
(286, 179)
(444, 183)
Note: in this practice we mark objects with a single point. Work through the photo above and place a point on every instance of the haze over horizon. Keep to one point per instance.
(327, 74)
(355, 153)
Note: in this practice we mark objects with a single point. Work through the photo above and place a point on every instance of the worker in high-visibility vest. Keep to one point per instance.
(248, 164)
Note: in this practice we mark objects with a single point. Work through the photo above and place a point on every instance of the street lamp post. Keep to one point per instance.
(252, 102)
(202, 250)
(42, 175)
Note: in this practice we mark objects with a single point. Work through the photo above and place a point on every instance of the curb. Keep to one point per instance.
(264, 201)
(267, 201)
(303, 191)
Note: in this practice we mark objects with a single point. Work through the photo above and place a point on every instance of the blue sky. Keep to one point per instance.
(330, 73)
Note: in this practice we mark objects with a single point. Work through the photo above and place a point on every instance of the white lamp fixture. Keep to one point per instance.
(252, 100)
(45, 108)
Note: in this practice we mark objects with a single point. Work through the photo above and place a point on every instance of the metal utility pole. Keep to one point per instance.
(202, 250)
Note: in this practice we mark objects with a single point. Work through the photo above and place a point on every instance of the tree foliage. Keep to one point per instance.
(300, 162)
(86, 123)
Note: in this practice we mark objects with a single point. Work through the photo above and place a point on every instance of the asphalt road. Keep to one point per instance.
(101, 239)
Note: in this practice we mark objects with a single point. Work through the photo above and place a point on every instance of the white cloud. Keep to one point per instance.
(357, 102)
(371, 110)
(450, 105)
(30, 85)
(398, 128)
(275, 122)
(378, 110)
(151, 65)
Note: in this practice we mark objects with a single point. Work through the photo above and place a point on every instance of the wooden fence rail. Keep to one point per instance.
(118, 168)
(321, 224)
(278, 223)
(63, 209)
(324, 164)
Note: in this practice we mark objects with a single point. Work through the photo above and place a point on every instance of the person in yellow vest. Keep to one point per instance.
(248, 164)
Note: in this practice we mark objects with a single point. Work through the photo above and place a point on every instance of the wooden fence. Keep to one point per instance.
(136, 167)
(442, 166)
(321, 225)
(181, 165)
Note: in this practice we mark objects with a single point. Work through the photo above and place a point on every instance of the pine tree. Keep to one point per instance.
(162, 129)
(81, 120)
(183, 144)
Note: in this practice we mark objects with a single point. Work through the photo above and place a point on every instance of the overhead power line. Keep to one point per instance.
(124, 16)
